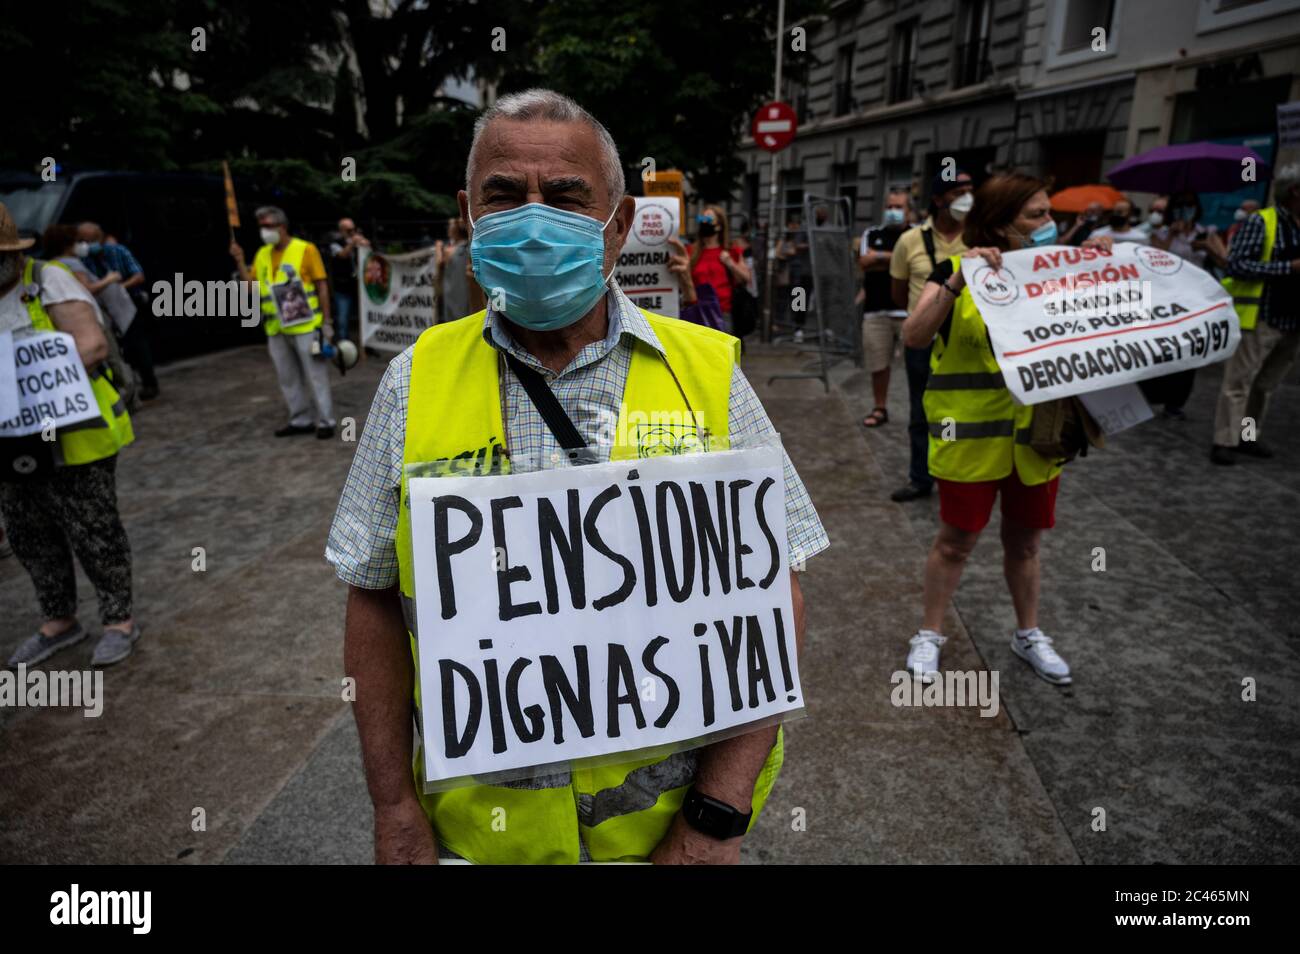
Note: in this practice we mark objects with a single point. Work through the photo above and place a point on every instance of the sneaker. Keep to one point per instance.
(1036, 649)
(910, 491)
(114, 646)
(293, 430)
(1255, 449)
(38, 648)
(923, 657)
(1222, 455)
(325, 433)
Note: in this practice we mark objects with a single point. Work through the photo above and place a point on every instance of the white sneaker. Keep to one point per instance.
(1036, 649)
(923, 657)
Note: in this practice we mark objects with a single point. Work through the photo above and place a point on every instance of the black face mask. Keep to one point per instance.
(708, 229)
(1118, 222)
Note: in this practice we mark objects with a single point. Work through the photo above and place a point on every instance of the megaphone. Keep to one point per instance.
(343, 354)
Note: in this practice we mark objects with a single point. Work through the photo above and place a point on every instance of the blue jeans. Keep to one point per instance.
(344, 306)
(917, 362)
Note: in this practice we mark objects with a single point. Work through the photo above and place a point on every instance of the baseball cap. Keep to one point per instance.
(939, 184)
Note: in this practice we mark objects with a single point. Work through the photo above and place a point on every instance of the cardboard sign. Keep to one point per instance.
(50, 382)
(668, 184)
(397, 297)
(1067, 321)
(601, 611)
(642, 269)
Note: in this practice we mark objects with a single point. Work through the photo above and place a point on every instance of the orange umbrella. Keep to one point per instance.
(1077, 198)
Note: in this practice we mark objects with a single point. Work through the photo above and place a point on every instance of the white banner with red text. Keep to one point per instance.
(1066, 321)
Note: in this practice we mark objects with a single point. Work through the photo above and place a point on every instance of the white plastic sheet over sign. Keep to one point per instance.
(1067, 321)
(587, 612)
(51, 385)
(642, 269)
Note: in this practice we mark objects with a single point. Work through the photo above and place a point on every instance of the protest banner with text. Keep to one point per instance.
(397, 297)
(1066, 321)
(593, 612)
(51, 385)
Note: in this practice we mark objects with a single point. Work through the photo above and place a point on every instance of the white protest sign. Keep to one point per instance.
(396, 293)
(9, 405)
(53, 384)
(1066, 321)
(642, 269)
(1117, 409)
(593, 611)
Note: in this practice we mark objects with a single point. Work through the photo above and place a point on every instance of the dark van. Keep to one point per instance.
(172, 223)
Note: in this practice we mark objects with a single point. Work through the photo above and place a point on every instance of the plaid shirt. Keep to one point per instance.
(362, 540)
(112, 258)
(1278, 307)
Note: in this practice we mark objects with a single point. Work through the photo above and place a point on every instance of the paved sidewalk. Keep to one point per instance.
(232, 702)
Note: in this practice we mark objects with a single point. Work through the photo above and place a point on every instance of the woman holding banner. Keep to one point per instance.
(59, 497)
(978, 435)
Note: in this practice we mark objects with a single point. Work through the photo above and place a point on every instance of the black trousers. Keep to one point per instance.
(136, 347)
(74, 510)
(917, 362)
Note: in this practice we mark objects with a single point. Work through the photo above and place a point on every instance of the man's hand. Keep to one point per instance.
(237, 253)
(1103, 242)
(403, 835)
(683, 845)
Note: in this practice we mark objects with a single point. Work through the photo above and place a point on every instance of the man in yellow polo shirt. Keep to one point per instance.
(918, 253)
(295, 302)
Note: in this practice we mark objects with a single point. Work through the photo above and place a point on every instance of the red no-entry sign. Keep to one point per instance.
(774, 127)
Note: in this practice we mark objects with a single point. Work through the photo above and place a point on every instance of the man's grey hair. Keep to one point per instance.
(1286, 179)
(272, 212)
(545, 105)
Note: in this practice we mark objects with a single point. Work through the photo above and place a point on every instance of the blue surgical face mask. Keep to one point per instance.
(893, 216)
(547, 263)
(1045, 234)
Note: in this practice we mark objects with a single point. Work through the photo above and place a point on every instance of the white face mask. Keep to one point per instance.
(81, 249)
(270, 236)
(1155, 218)
(959, 206)
(1239, 215)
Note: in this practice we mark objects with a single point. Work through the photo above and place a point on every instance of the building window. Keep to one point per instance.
(903, 57)
(1082, 17)
(972, 62)
(844, 81)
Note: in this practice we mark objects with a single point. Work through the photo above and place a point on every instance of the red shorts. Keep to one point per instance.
(968, 506)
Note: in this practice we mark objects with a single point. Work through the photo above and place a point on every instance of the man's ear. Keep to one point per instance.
(623, 219)
(462, 200)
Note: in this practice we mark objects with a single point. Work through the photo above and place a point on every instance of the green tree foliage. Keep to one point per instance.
(286, 89)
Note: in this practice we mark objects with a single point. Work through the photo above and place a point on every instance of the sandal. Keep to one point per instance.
(878, 416)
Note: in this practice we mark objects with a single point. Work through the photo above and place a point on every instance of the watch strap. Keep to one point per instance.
(714, 818)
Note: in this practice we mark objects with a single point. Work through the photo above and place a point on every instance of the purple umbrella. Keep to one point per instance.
(1186, 167)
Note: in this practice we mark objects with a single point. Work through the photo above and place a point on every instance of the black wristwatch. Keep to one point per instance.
(714, 818)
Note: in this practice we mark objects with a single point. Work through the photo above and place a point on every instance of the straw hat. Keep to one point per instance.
(9, 240)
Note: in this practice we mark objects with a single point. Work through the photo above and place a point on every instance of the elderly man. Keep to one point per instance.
(296, 315)
(544, 199)
(343, 273)
(1264, 280)
(114, 261)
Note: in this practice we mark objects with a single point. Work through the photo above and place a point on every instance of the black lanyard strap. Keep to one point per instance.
(548, 405)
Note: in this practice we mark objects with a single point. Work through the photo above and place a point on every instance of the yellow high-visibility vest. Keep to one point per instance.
(1246, 292)
(97, 438)
(290, 268)
(977, 431)
(453, 422)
